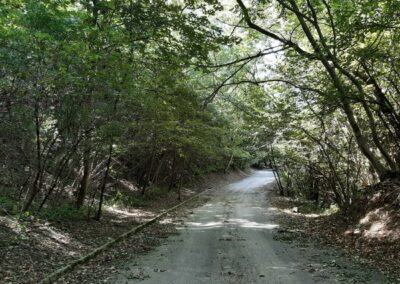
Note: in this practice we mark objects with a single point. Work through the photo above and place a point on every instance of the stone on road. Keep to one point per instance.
(231, 239)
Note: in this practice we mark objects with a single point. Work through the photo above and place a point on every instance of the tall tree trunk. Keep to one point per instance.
(180, 187)
(383, 102)
(229, 163)
(164, 157)
(375, 138)
(148, 175)
(275, 171)
(84, 184)
(362, 142)
(331, 64)
(340, 86)
(173, 172)
(106, 174)
(36, 182)
(104, 182)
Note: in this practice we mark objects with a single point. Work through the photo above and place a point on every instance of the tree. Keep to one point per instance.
(321, 48)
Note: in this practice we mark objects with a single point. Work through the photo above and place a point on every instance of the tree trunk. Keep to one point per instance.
(229, 164)
(276, 173)
(180, 187)
(159, 166)
(84, 184)
(148, 175)
(375, 138)
(340, 86)
(35, 186)
(103, 183)
(173, 174)
(361, 141)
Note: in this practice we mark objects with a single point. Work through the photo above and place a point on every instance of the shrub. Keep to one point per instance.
(9, 203)
(64, 212)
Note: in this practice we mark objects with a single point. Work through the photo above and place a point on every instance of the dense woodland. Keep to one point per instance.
(95, 94)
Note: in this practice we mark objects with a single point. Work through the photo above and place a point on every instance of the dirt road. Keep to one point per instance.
(233, 239)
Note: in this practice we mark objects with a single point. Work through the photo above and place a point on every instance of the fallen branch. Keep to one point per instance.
(51, 278)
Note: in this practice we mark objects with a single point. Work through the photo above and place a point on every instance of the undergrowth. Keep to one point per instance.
(9, 202)
(64, 212)
(123, 199)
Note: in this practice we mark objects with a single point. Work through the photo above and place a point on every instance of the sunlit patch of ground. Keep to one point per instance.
(207, 225)
(379, 223)
(123, 213)
(373, 237)
(296, 211)
(244, 223)
(32, 248)
(12, 224)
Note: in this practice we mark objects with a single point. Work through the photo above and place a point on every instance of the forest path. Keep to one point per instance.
(233, 239)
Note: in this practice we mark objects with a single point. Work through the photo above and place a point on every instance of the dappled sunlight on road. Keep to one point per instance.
(206, 225)
(241, 209)
(234, 238)
(244, 223)
(231, 223)
(253, 182)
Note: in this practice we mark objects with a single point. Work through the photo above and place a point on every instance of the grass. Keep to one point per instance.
(135, 199)
(158, 193)
(9, 203)
(64, 212)
(305, 207)
(121, 199)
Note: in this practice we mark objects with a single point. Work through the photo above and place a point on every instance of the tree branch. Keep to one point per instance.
(272, 35)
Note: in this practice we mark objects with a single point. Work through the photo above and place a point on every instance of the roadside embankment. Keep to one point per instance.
(32, 248)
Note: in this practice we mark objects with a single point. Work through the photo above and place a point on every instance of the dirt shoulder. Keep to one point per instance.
(362, 237)
(32, 248)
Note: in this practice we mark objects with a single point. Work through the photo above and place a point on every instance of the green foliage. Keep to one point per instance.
(155, 192)
(123, 200)
(129, 90)
(135, 199)
(9, 202)
(324, 112)
(63, 212)
(78, 78)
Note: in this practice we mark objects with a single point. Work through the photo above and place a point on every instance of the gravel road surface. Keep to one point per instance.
(233, 239)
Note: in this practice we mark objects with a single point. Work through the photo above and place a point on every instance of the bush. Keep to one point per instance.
(138, 200)
(158, 193)
(9, 203)
(123, 200)
(65, 212)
